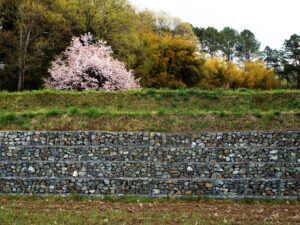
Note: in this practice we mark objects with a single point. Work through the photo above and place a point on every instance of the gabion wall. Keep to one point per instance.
(223, 165)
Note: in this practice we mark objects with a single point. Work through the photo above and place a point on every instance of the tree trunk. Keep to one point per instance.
(20, 57)
(23, 46)
(228, 57)
(20, 77)
(25, 53)
(298, 71)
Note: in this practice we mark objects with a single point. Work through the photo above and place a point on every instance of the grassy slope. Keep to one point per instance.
(154, 110)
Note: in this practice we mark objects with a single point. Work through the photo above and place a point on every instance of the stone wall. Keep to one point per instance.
(223, 165)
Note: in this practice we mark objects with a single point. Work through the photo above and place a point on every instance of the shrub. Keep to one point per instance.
(88, 66)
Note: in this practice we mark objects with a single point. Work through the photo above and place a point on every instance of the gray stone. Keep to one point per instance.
(31, 169)
(156, 191)
(190, 169)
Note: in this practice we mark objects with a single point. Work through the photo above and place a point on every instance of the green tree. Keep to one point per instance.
(229, 42)
(165, 23)
(33, 32)
(200, 33)
(146, 21)
(186, 32)
(209, 39)
(248, 46)
(272, 58)
(114, 21)
(291, 56)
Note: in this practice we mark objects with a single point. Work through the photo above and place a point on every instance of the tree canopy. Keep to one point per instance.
(33, 33)
(248, 47)
(161, 50)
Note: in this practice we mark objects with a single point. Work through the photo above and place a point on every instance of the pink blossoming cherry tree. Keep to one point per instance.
(89, 66)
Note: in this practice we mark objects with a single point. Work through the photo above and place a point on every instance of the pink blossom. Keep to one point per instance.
(88, 66)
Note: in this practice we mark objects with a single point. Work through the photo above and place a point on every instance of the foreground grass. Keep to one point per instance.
(154, 110)
(126, 210)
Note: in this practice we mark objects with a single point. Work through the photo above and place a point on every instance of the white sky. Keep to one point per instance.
(272, 21)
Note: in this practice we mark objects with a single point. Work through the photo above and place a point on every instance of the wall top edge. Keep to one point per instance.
(155, 132)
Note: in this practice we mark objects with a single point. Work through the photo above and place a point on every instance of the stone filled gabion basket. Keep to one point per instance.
(224, 165)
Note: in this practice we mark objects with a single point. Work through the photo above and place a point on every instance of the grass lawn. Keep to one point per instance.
(151, 110)
(69, 210)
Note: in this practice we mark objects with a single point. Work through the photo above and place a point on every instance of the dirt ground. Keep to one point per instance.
(66, 211)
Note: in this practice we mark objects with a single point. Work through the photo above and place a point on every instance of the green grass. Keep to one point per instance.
(11, 116)
(234, 124)
(222, 114)
(28, 115)
(258, 114)
(161, 111)
(139, 199)
(152, 100)
(186, 110)
(52, 112)
(73, 111)
(198, 126)
(237, 115)
(92, 113)
(277, 113)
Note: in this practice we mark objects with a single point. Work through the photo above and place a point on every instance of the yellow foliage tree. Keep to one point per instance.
(170, 62)
(251, 75)
(256, 75)
(221, 74)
